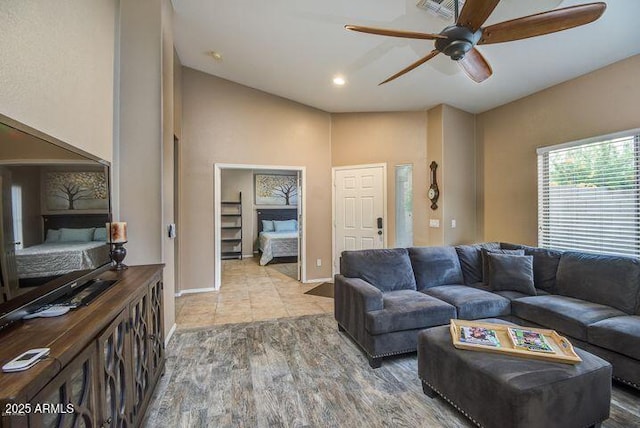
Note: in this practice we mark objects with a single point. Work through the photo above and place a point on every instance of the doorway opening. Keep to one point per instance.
(259, 213)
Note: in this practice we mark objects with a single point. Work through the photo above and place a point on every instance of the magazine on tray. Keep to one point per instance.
(479, 336)
(529, 340)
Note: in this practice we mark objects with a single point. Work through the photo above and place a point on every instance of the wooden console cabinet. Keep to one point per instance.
(105, 359)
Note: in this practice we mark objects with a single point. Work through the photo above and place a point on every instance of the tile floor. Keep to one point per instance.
(250, 292)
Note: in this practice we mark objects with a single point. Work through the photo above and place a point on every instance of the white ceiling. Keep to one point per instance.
(293, 48)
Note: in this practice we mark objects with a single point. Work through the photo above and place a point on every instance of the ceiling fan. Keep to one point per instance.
(458, 41)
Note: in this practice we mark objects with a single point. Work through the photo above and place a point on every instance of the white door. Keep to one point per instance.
(359, 198)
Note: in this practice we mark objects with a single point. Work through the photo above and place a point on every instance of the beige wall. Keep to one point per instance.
(451, 144)
(224, 122)
(168, 124)
(140, 150)
(146, 131)
(597, 103)
(177, 131)
(393, 138)
(458, 174)
(435, 145)
(57, 69)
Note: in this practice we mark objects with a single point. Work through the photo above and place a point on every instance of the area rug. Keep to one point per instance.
(299, 372)
(325, 290)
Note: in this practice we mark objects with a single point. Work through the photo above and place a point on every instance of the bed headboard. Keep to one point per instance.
(276, 214)
(73, 221)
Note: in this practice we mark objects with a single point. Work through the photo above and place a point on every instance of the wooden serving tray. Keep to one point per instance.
(564, 352)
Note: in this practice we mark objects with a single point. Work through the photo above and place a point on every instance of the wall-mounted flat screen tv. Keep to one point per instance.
(54, 203)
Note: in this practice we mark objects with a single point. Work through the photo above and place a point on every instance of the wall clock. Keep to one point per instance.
(433, 192)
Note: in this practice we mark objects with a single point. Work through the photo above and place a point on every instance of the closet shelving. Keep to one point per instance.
(231, 236)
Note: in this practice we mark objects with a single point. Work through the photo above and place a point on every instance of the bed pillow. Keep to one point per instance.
(53, 235)
(77, 235)
(511, 273)
(267, 226)
(285, 225)
(100, 234)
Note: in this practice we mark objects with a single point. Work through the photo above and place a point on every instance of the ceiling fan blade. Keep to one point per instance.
(412, 66)
(542, 23)
(476, 67)
(394, 33)
(475, 12)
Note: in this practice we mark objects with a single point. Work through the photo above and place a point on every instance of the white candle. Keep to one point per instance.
(117, 231)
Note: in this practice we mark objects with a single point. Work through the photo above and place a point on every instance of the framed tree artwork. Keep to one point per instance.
(75, 191)
(274, 189)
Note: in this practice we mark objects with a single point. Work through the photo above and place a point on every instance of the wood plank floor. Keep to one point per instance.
(300, 372)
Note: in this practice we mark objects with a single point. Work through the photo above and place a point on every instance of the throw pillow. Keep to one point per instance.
(267, 226)
(76, 235)
(100, 234)
(285, 225)
(485, 261)
(511, 273)
(53, 235)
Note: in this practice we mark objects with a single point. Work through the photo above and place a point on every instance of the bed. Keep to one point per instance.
(53, 257)
(275, 243)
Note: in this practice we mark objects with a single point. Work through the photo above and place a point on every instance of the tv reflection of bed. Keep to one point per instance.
(81, 249)
(276, 244)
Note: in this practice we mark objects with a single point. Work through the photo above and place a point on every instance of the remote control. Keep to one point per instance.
(46, 312)
(25, 360)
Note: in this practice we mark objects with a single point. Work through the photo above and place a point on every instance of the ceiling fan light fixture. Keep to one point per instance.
(459, 41)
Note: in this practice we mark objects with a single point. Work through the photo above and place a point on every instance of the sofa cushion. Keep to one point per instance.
(565, 314)
(386, 269)
(408, 310)
(545, 264)
(480, 286)
(619, 334)
(608, 280)
(471, 303)
(433, 266)
(485, 259)
(471, 260)
(511, 295)
(511, 273)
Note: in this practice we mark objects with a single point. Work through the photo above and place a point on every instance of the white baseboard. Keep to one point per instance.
(170, 334)
(194, 290)
(247, 256)
(312, 281)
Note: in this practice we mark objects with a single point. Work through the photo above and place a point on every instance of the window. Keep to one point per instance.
(16, 212)
(589, 195)
(404, 205)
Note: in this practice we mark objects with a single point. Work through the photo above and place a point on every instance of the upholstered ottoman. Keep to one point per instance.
(495, 390)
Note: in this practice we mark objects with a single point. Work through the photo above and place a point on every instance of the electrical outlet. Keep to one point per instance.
(434, 222)
(453, 223)
(318, 262)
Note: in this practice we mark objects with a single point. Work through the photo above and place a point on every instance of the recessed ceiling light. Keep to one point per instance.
(339, 81)
(215, 55)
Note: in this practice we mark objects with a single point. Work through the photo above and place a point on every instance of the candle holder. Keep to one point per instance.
(118, 253)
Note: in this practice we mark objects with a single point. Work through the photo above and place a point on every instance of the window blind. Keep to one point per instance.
(589, 196)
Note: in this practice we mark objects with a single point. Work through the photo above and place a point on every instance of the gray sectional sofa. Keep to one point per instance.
(383, 298)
